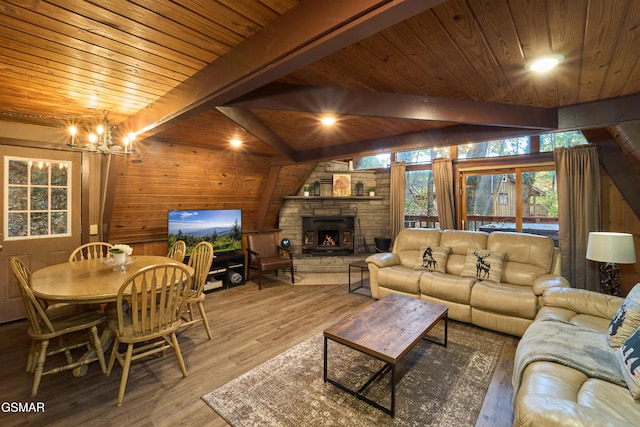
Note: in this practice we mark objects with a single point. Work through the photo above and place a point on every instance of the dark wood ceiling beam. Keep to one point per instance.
(453, 135)
(600, 114)
(287, 97)
(617, 166)
(304, 34)
(252, 124)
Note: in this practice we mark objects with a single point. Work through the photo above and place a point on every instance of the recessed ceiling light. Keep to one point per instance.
(236, 142)
(328, 121)
(545, 63)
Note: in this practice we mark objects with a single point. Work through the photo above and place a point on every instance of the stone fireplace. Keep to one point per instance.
(328, 235)
(354, 221)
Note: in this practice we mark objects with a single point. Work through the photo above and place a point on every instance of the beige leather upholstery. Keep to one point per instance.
(509, 306)
(551, 394)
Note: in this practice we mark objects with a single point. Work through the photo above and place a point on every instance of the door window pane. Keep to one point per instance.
(37, 202)
(540, 204)
(484, 208)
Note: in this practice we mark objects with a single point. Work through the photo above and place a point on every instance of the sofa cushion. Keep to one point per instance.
(629, 357)
(446, 287)
(432, 259)
(553, 394)
(409, 241)
(400, 278)
(526, 256)
(459, 241)
(626, 320)
(483, 265)
(504, 298)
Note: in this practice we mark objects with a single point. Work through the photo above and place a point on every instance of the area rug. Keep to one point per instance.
(435, 386)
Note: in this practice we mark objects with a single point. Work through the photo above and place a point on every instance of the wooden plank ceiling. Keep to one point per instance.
(203, 72)
(190, 76)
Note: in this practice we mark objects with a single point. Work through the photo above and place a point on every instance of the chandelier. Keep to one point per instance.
(100, 140)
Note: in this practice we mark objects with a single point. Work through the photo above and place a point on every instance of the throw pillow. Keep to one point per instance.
(483, 264)
(629, 357)
(626, 319)
(433, 259)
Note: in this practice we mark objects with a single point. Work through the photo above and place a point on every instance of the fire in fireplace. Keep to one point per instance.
(327, 235)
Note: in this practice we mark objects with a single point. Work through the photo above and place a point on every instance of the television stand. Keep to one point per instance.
(224, 269)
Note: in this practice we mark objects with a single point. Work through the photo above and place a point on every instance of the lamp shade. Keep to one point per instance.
(611, 247)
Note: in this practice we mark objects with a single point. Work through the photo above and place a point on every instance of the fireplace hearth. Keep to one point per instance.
(328, 235)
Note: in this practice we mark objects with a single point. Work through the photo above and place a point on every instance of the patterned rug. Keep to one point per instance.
(436, 386)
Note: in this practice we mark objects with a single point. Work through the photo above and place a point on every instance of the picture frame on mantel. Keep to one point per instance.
(341, 185)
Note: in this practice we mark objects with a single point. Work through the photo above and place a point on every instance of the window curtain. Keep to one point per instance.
(443, 180)
(398, 183)
(578, 176)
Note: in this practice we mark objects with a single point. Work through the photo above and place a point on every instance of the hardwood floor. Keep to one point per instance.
(249, 327)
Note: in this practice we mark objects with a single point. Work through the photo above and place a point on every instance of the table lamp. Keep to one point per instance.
(611, 249)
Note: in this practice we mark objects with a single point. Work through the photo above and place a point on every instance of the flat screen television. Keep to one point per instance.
(220, 227)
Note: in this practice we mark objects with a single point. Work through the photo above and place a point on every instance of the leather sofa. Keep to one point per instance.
(507, 304)
(554, 394)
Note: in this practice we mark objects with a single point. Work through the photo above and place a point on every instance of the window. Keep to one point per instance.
(423, 156)
(516, 199)
(37, 202)
(420, 207)
(373, 162)
(502, 147)
(551, 141)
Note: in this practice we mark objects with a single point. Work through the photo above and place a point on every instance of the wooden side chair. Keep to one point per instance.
(90, 250)
(266, 255)
(149, 305)
(200, 259)
(62, 326)
(178, 251)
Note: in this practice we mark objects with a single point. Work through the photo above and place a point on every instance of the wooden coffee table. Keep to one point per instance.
(386, 330)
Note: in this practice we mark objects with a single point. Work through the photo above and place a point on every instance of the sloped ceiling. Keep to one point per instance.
(204, 72)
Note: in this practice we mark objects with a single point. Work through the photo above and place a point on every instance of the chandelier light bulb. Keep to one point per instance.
(100, 141)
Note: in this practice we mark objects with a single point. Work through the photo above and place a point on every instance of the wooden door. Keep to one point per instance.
(40, 221)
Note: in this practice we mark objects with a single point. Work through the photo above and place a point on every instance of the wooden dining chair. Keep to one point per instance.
(200, 259)
(149, 306)
(90, 250)
(178, 251)
(266, 255)
(61, 326)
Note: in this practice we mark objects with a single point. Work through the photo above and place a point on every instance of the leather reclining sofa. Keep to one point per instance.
(550, 393)
(523, 266)
(530, 293)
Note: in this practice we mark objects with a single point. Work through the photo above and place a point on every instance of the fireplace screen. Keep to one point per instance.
(327, 235)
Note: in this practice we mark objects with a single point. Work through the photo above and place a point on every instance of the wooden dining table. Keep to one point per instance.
(91, 281)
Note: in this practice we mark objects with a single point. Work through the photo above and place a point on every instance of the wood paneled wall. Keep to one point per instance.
(618, 216)
(167, 176)
(172, 176)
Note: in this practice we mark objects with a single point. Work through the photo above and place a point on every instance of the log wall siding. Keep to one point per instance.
(173, 176)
